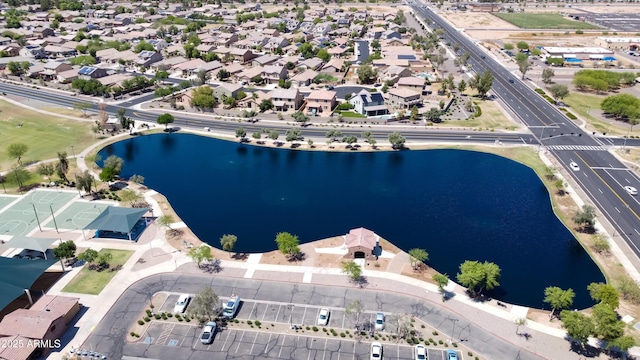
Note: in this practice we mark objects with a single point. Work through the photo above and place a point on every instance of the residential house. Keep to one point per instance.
(68, 76)
(33, 51)
(264, 60)
(270, 32)
(286, 99)
(91, 72)
(248, 74)
(414, 83)
(393, 73)
(321, 101)
(158, 44)
(43, 32)
(338, 51)
(334, 65)
(10, 50)
(403, 98)
(168, 63)
(312, 63)
(226, 90)
(273, 73)
(51, 69)
(304, 78)
(390, 34)
(368, 103)
(189, 67)
(321, 29)
(146, 58)
(276, 43)
(242, 55)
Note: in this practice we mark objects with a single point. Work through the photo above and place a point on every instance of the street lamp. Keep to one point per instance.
(552, 125)
(616, 223)
(73, 151)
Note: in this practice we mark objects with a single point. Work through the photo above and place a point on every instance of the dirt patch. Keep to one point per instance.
(328, 261)
(388, 246)
(542, 317)
(332, 242)
(276, 258)
(381, 264)
(468, 20)
(424, 273)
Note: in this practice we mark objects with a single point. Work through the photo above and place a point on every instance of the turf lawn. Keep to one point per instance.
(91, 281)
(44, 135)
(543, 21)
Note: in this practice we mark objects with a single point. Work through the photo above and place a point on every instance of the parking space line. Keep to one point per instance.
(252, 309)
(324, 352)
(266, 309)
(278, 313)
(240, 342)
(225, 341)
(253, 344)
(303, 315)
(344, 317)
(353, 353)
(267, 344)
(281, 346)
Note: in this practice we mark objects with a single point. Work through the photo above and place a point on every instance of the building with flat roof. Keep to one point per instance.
(583, 53)
(619, 43)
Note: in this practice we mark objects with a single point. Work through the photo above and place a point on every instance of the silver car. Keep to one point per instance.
(208, 333)
(379, 325)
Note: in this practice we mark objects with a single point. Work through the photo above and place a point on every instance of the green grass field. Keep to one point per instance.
(543, 21)
(43, 134)
(581, 103)
(91, 281)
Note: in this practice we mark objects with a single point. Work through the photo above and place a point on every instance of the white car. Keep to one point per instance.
(376, 351)
(574, 166)
(379, 322)
(420, 352)
(208, 333)
(181, 304)
(631, 190)
(323, 317)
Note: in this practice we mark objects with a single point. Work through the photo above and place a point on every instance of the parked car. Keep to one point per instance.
(376, 351)
(231, 306)
(420, 352)
(181, 304)
(452, 355)
(379, 326)
(208, 333)
(574, 166)
(631, 190)
(323, 317)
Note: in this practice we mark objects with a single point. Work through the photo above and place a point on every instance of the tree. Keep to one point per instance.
(200, 254)
(205, 305)
(585, 217)
(104, 259)
(65, 250)
(623, 106)
(413, 116)
(138, 179)
(202, 98)
(522, 45)
(165, 221)
(462, 86)
(63, 166)
(288, 244)
(558, 299)
(16, 151)
(228, 242)
(88, 255)
(324, 55)
(107, 174)
(46, 170)
(402, 323)
(417, 257)
(293, 134)
(524, 65)
(273, 134)
(266, 104)
(257, 135)
(84, 181)
(441, 280)
(508, 46)
(477, 276)
(433, 115)
(82, 107)
(547, 75)
(367, 74)
(115, 163)
(520, 322)
(354, 310)
(558, 91)
(351, 269)
(223, 75)
(397, 141)
(241, 133)
(165, 119)
(131, 197)
(482, 83)
(623, 343)
(578, 325)
(607, 324)
(604, 293)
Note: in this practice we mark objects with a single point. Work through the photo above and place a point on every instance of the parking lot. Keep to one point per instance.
(616, 21)
(182, 340)
(160, 337)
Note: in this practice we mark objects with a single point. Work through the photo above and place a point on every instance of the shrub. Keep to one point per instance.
(140, 322)
(454, 345)
(169, 315)
(470, 353)
(315, 328)
(434, 333)
(579, 32)
(571, 116)
(343, 334)
(249, 322)
(157, 316)
(187, 319)
(440, 342)
(308, 328)
(146, 319)
(257, 323)
(148, 312)
(180, 319)
(132, 334)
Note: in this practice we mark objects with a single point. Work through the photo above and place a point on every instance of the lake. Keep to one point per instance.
(457, 205)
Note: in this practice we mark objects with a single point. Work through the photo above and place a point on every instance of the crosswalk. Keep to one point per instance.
(576, 147)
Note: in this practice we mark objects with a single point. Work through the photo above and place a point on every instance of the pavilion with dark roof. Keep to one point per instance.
(119, 223)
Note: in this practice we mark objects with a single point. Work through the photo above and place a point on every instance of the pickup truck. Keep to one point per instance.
(231, 306)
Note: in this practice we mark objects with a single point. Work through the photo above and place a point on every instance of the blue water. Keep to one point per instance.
(458, 205)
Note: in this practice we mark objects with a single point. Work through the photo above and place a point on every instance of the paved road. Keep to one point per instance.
(108, 336)
(602, 175)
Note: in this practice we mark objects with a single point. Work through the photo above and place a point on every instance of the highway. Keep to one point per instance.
(601, 175)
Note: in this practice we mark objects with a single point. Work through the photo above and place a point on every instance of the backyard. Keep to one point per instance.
(543, 21)
(92, 281)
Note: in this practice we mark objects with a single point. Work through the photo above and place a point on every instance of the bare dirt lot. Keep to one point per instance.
(469, 20)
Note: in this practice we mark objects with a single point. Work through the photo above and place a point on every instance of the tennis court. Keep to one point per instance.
(78, 215)
(6, 200)
(20, 219)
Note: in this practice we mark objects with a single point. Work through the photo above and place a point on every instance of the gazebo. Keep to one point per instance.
(17, 276)
(361, 244)
(119, 223)
(32, 243)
